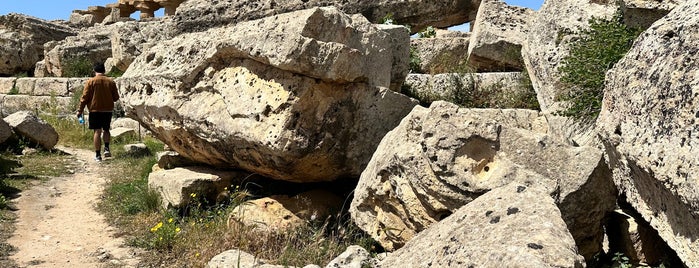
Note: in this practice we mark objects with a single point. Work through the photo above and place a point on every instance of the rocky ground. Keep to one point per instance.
(58, 225)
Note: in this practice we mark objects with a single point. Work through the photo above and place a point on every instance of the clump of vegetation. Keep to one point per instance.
(388, 19)
(592, 54)
(428, 32)
(415, 61)
(13, 91)
(77, 67)
(115, 72)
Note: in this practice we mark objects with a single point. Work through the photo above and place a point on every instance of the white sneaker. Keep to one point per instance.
(107, 153)
(98, 158)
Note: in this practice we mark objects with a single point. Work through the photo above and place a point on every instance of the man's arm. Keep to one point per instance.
(86, 97)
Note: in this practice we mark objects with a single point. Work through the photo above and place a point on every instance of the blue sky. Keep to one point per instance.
(61, 9)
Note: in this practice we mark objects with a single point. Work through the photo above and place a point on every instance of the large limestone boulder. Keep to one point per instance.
(498, 34)
(475, 90)
(399, 38)
(130, 39)
(443, 157)
(517, 225)
(282, 213)
(29, 126)
(441, 55)
(642, 13)
(649, 127)
(201, 15)
(89, 46)
(5, 131)
(239, 258)
(547, 42)
(303, 102)
(22, 41)
(353, 257)
(179, 187)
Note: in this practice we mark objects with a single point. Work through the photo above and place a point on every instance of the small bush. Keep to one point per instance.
(388, 19)
(415, 61)
(115, 73)
(428, 32)
(78, 67)
(595, 51)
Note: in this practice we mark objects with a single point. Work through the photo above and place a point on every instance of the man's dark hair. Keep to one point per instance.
(98, 68)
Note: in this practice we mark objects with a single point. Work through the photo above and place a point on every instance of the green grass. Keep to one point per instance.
(592, 54)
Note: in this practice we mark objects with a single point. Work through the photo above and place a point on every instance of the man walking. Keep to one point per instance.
(99, 95)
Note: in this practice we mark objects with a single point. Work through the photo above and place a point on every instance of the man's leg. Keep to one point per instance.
(106, 136)
(97, 139)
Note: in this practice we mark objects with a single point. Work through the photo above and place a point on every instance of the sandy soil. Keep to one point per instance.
(58, 225)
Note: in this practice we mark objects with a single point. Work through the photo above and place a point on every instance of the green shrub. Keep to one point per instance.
(115, 73)
(594, 52)
(78, 67)
(428, 32)
(388, 19)
(415, 61)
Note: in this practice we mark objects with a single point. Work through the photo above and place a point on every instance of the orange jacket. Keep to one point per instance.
(99, 94)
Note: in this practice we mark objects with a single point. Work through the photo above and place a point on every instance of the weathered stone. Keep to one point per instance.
(122, 133)
(34, 129)
(202, 15)
(441, 158)
(642, 13)
(16, 103)
(648, 124)
(441, 33)
(76, 86)
(136, 149)
(178, 187)
(496, 42)
(5, 131)
(57, 87)
(125, 122)
(90, 45)
(293, 104)
(400, 41)
(441, 55)
(7, 84)
(636, 240)
(239, 258)
(25, 86)
(549, 39)
(170, 160)
(279, 213)
(265, 214)
(130, 39)
(89, 17)
(353, 257)
(478, 90)
(22, 38)
(517, 225)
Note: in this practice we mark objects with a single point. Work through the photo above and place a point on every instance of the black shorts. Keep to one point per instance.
(100, 120)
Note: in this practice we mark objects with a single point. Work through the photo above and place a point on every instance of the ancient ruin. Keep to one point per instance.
(125, 8)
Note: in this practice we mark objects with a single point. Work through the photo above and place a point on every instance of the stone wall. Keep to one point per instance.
(46, 94)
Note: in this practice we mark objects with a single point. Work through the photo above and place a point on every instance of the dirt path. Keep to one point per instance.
(58, 225)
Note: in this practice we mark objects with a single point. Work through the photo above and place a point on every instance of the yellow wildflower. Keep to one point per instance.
(193, 195)
(169, 220)
(177, 230)
(196, 255)
(156, 227)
